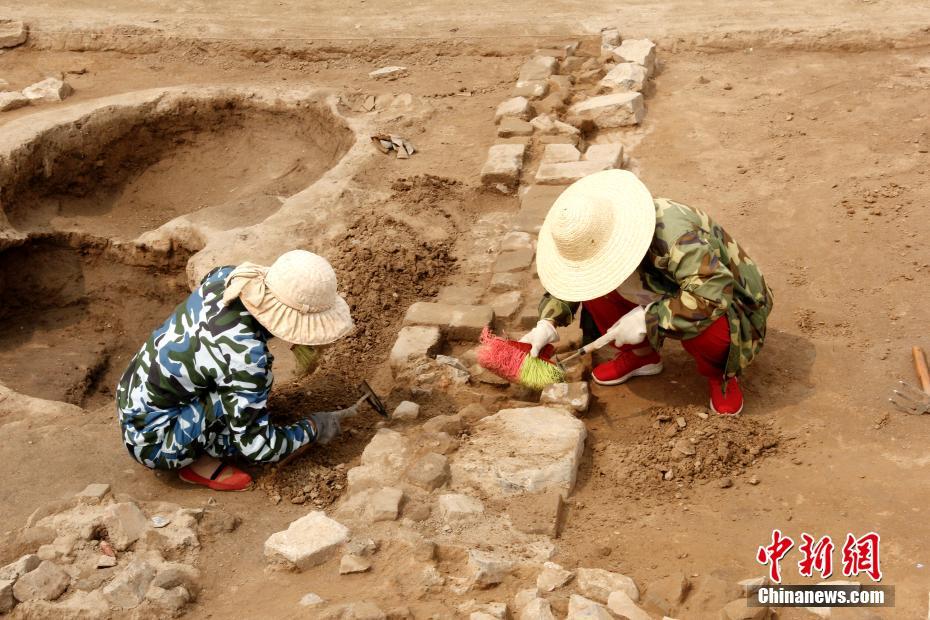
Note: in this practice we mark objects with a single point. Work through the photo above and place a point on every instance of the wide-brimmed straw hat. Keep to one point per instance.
(595, 235)
(295, 299)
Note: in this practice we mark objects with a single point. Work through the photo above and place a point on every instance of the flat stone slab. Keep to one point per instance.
(531, 89)
(503, 166)
(625, 76)
(538, 68)
(12, 33)
(414, 343)
(51, 89)
(457, 321)
(515, 107)
(526, 450)
(534, 205)
(307, 542)
(608, 111)
(514, 128)
(566, 173)
(640, 51)
(559, 153)
(610, 154)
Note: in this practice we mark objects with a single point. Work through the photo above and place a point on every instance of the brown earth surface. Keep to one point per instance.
(812, 159)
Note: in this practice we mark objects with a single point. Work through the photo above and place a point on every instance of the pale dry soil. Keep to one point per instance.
(808, 159)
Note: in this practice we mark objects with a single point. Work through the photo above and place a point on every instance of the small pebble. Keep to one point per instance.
(160, 521)
(725, 483)
(753, 481)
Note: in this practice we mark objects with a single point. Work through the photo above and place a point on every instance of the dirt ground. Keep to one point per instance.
(814, 160)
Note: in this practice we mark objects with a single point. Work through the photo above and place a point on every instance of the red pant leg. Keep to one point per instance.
(607, 310)
(711, 348)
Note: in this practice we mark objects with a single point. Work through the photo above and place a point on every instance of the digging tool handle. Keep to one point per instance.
(920, 365)
(603, 341)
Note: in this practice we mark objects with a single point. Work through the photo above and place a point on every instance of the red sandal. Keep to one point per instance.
(238, 480)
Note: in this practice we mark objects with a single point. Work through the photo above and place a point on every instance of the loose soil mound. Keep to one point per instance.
(664, 456)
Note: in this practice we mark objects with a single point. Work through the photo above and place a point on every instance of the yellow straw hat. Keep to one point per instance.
(295, 299)
(595, 235)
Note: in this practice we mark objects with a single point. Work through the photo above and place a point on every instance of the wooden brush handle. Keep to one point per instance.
(920, 365)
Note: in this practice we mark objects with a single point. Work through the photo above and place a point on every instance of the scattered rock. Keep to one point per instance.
(351, 563)
(13, 33)
(684, 448)
(172, 599)
(536, 609)
(7, 600)
(451, 424)
(547, 125)
(362, 610)
(667, 593)
(575, 396)
(507, 304)
(383, 460)
(49, 89)
(622, 604)
(740, 610)
(597, 584)
(608, 111)
(552, 577)
(45, 583)
(641, 51)
(310, 600)
(610, 38)
(456, 507)
(406, 410)
(725, 483)
(487, 569)
(128, 588)
(530, 450)
(105, 561)
(429, 472)
(384, 504)
(15, 570)
(173, 574)
(581, 608)
(308, 541)
(538, 68)
(391, 73)
(531, 89)
(12, 100)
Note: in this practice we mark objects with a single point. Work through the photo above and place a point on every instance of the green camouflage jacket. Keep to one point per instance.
(701, 274)
(207, 367)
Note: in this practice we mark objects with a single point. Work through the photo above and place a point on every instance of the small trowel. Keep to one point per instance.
(369, 396)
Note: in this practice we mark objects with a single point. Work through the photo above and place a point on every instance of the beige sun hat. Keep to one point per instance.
(295, 299)
(595, 235)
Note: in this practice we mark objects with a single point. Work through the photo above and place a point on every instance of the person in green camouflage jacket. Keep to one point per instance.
(679, 275)
(196, 391)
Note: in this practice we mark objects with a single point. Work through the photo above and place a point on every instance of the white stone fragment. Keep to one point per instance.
(641, 51)
(12, 33)
(515, 107)
(552, 577)
(609, 111)
(308, 541)
(545, 124)
(610, 38)
(537, 609)
(621, 604)
(390, 72)
(625, 76)
(502, 168)
(457, 507)
(486, 568)
(50, 89)
(568, 172)
(597, 584)
(384, 504)
(406, 410)
(559, 153)
(12, 100)
(538, 68)
(581, 608)
(609, 154)
(576, 396)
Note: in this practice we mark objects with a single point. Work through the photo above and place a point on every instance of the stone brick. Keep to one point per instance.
(609, 154)
(566, 173)
(552, 577)
(93, 493)
(414, 343)
(307, 542)
(516, 240)
(625, 76)
(513, 260)
(581, 608)
(501, 170)
(406, 410)
(504, 282)
(389, 73)
(429, 472)
(539, 513)
(575, 140)
(610, 38)
(547, 125)
(559, 153)
(451, 424)
(514, 127)
(515, 107)
(458, 321)
(597, 584)
(487, 569)
(15, 570)
(641, 51)
(45, 583)
(531, 89)
(575, 396)
(538, 68)
(624, 606)
(608, 111)
(506, 305)
(13, 33)
(534, 205)
(49, 89)
(125, 524)
(458, 294)
(12, 100)
(351, 563)
(384, 504)
(457, 507)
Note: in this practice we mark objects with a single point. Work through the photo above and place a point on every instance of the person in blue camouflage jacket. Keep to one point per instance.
(196, 391)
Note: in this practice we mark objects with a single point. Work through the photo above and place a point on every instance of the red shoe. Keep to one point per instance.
(729, 402)
(626, 366)
(237, 480)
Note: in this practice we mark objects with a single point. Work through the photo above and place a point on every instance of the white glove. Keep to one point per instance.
(630, 329)
(544, 333)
